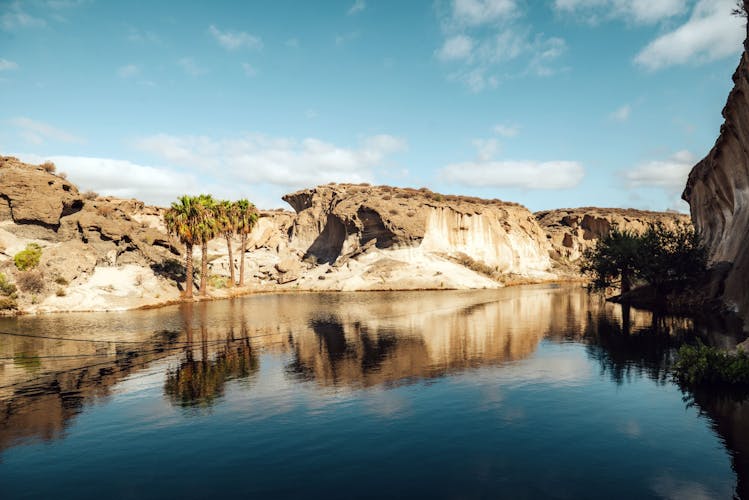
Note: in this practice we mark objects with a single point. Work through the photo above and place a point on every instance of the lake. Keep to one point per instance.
(525, 392)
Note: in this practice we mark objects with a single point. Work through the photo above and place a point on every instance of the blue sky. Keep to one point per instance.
(549, 103)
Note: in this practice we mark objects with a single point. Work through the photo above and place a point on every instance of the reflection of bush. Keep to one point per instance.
(200, 383)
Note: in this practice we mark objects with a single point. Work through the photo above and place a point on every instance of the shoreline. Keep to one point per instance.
(244, 291)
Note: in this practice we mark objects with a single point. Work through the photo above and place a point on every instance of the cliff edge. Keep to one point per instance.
(718, 195)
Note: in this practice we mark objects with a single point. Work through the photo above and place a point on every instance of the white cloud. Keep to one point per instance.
(15, 17)
(6, 65)
(128, 71)
(506, 130)
(711, 33)
(478, 12)
(485, 38)
(293, 43)
(622, 114)
(670, 174)
(456, 47)
(233, 40)
(36, 132)
(637, 11)
(282, 162)
(486, 149)
(517, 174)
(191, 67)
(249, 70)
(358, 6)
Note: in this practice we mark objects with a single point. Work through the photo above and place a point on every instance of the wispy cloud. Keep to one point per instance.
(622, 114)
(36, 132)
(711, 33)
(191, 67)
(634, 11)
(13, 17)
(293, 43)
(6, 65)
(233, 40)
(486, 40)
(249, 70)
(358, 6)
(345, 38)
(515, 174)
(128, 71)
(506, 130)
(278, 161)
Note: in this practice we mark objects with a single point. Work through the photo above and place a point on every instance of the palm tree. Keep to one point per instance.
(246, 220)
(181, 220)
(206, 229)
(227, 214)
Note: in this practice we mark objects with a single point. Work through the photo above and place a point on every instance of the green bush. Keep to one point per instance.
(700, 364)
(28, 258)
(6, 288)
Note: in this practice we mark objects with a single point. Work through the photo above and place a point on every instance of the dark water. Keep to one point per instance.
(527, 392)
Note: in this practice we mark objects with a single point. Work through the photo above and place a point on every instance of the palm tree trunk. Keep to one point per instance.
(188, 268)
(204, 269)
(231, 260)
(241, 259)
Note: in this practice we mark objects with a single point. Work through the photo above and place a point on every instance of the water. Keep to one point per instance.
(526, 392)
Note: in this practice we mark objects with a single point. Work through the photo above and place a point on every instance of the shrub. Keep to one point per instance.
(6, 287)
(658, 256)
(61, 292)
(62, 175)
(7, 303)
(28, 258)
(30, 281)
(90, 195)
(61, 281)
(701, 364)
(216, 281)
(49, 166)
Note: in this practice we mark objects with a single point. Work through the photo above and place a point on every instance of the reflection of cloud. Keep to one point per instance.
(631, 428)
(555, 365)
(668, 487)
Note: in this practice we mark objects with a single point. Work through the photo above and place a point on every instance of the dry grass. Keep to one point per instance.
(49, 167)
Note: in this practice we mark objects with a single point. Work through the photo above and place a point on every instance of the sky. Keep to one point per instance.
(548, 103)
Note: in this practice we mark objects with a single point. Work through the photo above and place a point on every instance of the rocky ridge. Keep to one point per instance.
(102, 253)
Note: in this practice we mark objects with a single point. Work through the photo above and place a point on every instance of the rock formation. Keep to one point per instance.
(718, 195)
(571, 231)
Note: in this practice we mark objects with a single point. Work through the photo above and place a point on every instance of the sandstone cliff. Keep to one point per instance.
(571, 231)
(718, 195)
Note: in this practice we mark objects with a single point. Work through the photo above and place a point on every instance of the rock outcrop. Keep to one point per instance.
(335, 222)
(571, 231)
(80, 235)
(718, 195)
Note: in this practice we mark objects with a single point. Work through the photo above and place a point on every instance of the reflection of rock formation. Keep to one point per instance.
(355, 350)
(43, 407)
(729, 415)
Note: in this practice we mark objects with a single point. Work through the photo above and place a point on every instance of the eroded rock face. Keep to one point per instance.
(571, 231)
(718, 195)
(336, 221)
(31, 195)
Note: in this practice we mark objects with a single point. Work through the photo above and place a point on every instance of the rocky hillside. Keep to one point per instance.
(571, 231)
(718, 195)
(100, 253)
(96, 251)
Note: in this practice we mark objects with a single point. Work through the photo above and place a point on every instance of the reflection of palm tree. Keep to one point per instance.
(201, 382)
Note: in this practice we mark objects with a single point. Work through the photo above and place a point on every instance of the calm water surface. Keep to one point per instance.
(526, 392)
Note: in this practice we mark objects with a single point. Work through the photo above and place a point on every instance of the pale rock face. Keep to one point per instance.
(484, 238)
(718, 195)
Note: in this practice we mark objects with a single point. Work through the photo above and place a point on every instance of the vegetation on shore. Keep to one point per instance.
(661, 257)
(196, 220)
(702, 365)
